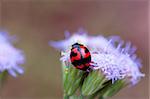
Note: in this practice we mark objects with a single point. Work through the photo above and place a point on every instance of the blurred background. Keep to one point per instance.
(35, 22)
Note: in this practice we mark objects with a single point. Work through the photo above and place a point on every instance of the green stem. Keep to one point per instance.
(2, 78)
(66, 97)
(81, 97)
(101, 97)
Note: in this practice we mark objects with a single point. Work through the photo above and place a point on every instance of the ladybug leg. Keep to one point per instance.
(94, 65)
(88, 70)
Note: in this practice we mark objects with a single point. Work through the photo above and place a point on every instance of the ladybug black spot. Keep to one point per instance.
(73, 54)
(86, 50)
(81, 61)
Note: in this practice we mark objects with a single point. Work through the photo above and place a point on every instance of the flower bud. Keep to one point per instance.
(72, 78)
(93, 82)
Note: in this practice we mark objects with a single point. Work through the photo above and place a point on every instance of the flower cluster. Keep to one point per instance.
(114, 59)
(10, 57)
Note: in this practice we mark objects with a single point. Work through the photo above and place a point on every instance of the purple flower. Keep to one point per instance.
(116, 59)
(10, 57)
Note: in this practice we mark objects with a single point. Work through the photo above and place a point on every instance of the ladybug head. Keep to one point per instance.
(75, 45)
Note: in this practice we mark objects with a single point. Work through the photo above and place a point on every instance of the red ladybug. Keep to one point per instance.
(80, 57)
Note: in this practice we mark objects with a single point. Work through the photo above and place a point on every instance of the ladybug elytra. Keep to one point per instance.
(80, 57)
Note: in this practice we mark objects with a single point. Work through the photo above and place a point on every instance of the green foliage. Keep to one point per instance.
(93, 83)
(79, 84)
(72, 79)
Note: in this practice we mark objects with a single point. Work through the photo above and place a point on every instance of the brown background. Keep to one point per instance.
(37, 22)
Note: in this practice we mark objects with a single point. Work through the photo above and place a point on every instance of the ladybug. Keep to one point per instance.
(80, 57)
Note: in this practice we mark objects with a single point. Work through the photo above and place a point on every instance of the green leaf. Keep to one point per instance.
(2, 78)
(93, 83)
(72, 79)
(111, 89)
